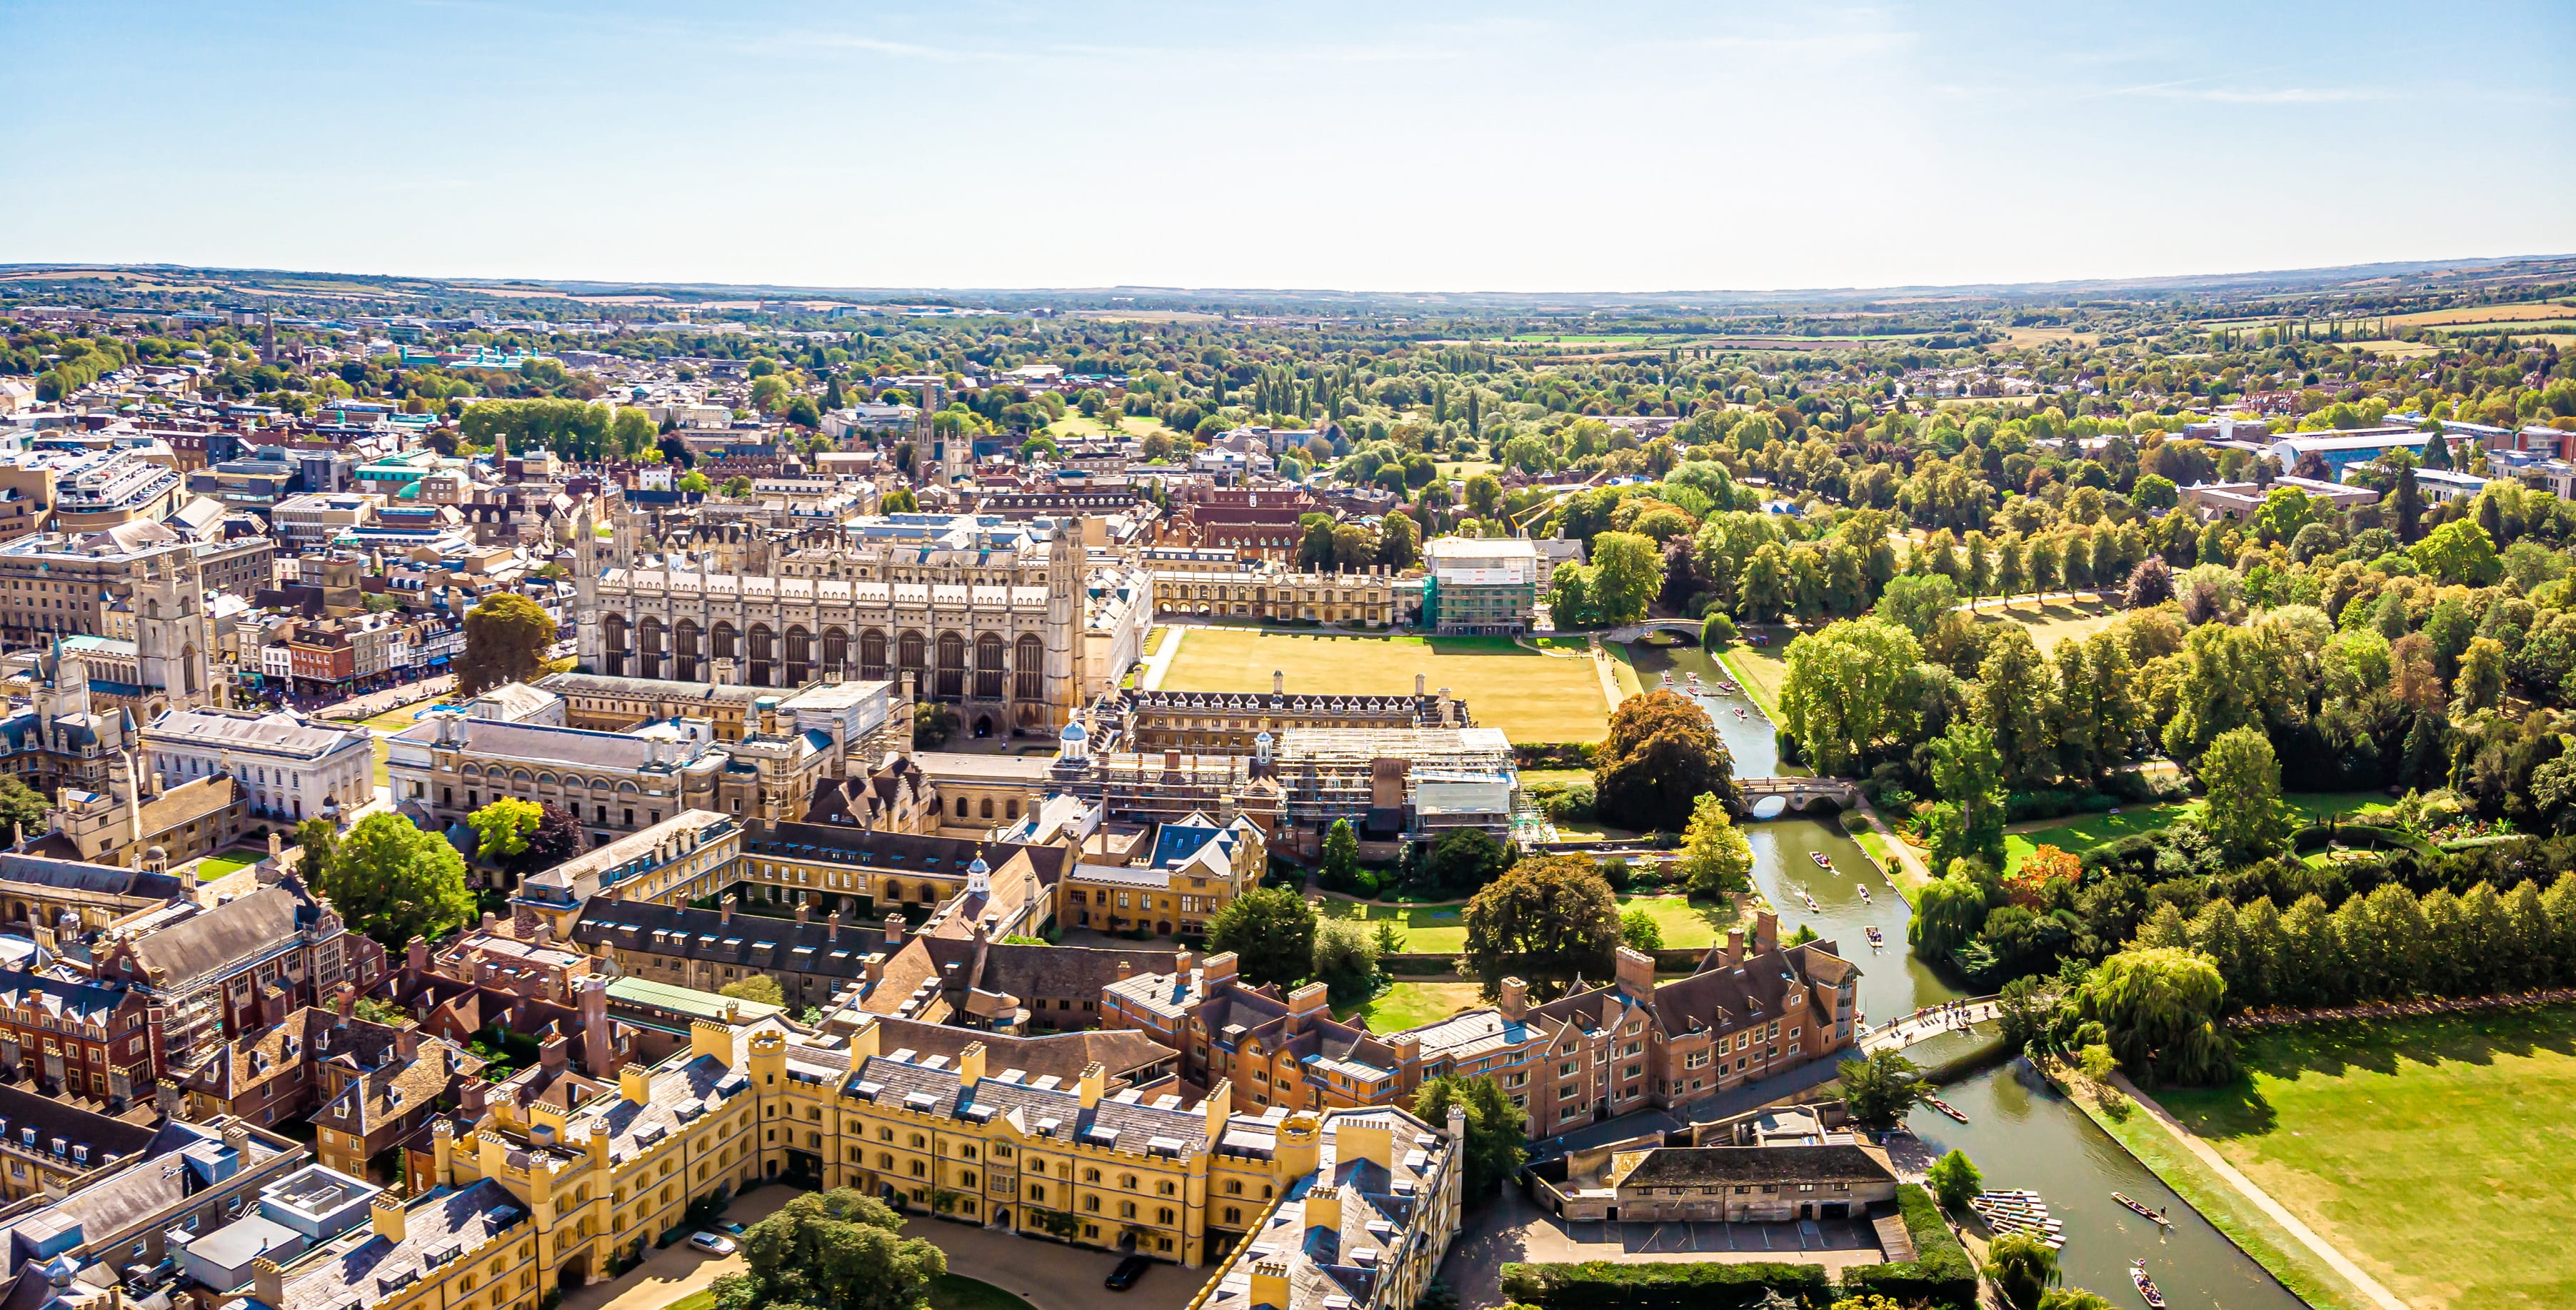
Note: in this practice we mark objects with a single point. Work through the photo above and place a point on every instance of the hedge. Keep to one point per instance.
(1670, 1285)
(1940, 1274)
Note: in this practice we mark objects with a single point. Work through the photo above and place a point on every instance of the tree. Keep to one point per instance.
(1484, 496)
(1628, 573)
(1465, 859)
(2072, 1298)
(1968, 772)
(1495, 1127)
(1716, 630)
(1947, 911)
(1915, 601)
(319, 841)
(1346, 959)
(1715, 856)
(1271, 930)
(1662, 753)
(697, 483)
(1399, 541)
(2459, 551)
(394, 882)
(558, 838)
(836, 1250)
(1955, 1179)
(503, 827)
(1880, 1089)
(1638, 930)
(2481, 681)
(506, 638)
(2243, 809)
(2022, 1011)
(1844, 691)
(2021, 1267)
(932, 725)
(758, 987)
(1341, 863)
(24, 808)
(736, 487)
(1547, 921)
(2158, 1007)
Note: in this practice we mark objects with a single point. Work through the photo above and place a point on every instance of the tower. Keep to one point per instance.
(171, 636)
(1065, 558)
(585, 581)
(926, 460)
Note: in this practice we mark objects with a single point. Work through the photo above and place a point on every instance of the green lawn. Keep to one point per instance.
(384, 752)
(2052, 622)
(1412, 1004)
(1761, 669)
(1442, 929)
(1555, 777)
(2438, 1151)
(2307, 1276)
(958, 1292)
(2078, 833)
(702, 1299)
(1531, 697)
(232, 861)
(397, 720)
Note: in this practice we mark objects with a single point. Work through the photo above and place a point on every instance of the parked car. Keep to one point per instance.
(731, 1227)
(1126, 1274)
(713, 1243)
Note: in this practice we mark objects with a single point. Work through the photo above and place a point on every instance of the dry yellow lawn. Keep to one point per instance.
(2527, 311)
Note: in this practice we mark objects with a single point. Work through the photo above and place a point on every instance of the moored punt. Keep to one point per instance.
(1946, 1108)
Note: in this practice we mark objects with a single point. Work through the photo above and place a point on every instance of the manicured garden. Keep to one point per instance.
(2078, 833)
(2437, 1151)
(231, 861)
(1530, 696)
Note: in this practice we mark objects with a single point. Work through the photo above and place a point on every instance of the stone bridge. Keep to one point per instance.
(1798, 792)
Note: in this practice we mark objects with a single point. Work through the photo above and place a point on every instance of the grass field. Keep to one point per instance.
(2435, 1151)
(1411, 1005)
(2311, 1279)
(958, 1292)
(1531, 697)
(1442, 929)
(2527, 311)
(232, 861)
(2079, 833)
(397, 720)
(384, 752)
(702, 1299)
(2053, 622)
(1076, 426)
(1761, 669)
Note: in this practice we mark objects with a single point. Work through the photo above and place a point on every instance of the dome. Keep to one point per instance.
(1075, 732)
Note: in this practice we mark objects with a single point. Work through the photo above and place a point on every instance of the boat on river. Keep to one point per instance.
(1877, 939)
(1812, 907)
(1819, 858)
(2146, 1285)
(2143, 1212)
(1946, 1108)
(1668, 677)
(1864, 891)
(2017, 1210)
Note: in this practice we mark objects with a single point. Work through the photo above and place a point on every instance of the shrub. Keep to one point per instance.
(1595, 1285)
(1940, 1273)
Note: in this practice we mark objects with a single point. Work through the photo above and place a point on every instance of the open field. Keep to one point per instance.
(1531, 697)
(2479, 314)
(2434, 1151)
(2307, 1276)
(2078, 833)
(1442, 929)
(2053, 621)
(1411, 1005)
(1075, 425)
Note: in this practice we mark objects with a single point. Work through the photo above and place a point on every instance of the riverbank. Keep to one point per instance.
(2262, 1239)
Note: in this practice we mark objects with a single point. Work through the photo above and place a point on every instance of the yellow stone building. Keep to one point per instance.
(556, 1175)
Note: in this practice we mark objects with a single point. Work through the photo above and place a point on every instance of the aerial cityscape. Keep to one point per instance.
(724, 688)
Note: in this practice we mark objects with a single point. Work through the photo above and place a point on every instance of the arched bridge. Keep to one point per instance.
(1798, 792)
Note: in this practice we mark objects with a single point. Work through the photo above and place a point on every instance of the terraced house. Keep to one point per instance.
(553, 1175)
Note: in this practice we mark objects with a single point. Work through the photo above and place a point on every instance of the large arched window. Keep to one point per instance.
(722, 645)
(800, 656)
(1030, 663)
(764, 654)
(836, 652)
(613, 631)
(989, 653)
(649, 636)
(912, 656)
(952, 665)
(872, 654)
(684, 650)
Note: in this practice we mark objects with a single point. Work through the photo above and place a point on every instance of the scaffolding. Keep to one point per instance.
(1337, 773)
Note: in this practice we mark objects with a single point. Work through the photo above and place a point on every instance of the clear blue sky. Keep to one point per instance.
(1309, 144)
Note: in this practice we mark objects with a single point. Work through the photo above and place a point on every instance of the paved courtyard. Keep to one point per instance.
(1512, 1228)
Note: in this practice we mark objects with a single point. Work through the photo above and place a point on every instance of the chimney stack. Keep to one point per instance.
(1515, 999)
(1766, 932)
(724, 908)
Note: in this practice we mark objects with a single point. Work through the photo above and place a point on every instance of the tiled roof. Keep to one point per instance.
(363, 1268)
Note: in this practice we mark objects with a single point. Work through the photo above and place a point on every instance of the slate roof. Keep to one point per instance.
(382, 1095)
(1697, 1166)
(97, 879)
(903, 852)
(200, 948)
(105, 1135)
(276, 733)
(446, 1224)
(746, 941)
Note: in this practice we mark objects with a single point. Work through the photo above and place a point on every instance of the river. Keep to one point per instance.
(2020, 1132)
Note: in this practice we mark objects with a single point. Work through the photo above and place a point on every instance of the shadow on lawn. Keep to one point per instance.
(2334, 1048)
